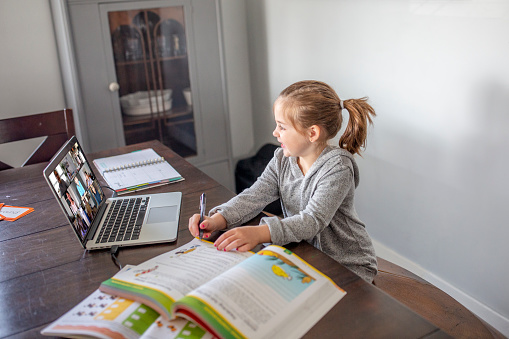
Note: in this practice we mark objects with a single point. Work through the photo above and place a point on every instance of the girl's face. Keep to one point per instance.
(293, 142)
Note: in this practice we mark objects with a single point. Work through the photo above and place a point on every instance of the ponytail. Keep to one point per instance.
(310, 102)
(356, 131)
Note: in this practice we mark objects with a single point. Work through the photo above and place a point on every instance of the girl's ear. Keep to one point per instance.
(314, 133)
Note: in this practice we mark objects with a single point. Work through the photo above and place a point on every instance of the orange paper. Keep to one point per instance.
(11, 213)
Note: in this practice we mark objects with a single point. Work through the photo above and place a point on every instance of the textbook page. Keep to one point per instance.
(104, 316)
(168, 277)
(273, 292)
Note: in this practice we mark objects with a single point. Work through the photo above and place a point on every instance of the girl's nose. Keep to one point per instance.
(274, 133)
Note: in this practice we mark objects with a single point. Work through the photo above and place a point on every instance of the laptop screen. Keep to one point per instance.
(75, 186)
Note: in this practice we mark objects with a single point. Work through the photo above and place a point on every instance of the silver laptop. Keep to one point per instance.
(102, 223)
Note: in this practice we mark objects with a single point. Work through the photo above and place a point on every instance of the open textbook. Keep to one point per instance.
(231, 294)
(102, 315)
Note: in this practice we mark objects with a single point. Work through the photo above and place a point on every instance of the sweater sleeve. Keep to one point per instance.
(250, 202)
(325, 199)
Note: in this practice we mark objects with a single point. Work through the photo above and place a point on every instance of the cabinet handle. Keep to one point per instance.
(114, 87)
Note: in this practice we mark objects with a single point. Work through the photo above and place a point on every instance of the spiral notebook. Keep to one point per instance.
(135, 171)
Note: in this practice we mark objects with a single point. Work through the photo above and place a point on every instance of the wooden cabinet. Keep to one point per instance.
(152, 70)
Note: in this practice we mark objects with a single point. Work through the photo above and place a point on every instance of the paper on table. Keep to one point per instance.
(133, 171)
(11, 213)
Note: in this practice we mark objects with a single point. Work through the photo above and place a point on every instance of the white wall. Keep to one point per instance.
(433, 184)
(30, 80)
(234, 27)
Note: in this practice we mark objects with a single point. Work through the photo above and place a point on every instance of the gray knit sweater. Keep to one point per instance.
(318, 207)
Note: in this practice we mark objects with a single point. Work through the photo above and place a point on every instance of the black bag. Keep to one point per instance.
(248, 170)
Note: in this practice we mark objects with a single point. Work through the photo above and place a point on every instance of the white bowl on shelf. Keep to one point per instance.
(145, 109)
(138, 103)
(143, 98)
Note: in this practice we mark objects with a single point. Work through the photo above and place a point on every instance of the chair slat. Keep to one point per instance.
(57, 126)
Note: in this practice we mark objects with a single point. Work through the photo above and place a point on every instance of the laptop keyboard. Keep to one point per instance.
(124, 220)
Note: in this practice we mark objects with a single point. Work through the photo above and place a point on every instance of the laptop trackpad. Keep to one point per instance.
(162, 214)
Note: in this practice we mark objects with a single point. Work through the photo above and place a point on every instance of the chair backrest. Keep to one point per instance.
(56, 126)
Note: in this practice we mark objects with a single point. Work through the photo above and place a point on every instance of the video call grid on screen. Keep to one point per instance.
(78, 189)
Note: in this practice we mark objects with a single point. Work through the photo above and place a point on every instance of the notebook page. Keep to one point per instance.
(136, 168)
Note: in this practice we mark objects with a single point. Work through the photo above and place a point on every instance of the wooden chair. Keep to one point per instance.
(57, 126)
(431, 303)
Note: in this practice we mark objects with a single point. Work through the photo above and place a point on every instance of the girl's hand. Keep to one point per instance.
(208, 225)
(243, 238)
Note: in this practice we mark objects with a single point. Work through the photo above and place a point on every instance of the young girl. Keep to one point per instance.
(315, 182)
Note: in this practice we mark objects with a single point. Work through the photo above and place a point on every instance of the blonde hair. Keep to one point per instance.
(307, 103)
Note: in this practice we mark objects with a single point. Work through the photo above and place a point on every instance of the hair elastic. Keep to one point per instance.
(341, 105)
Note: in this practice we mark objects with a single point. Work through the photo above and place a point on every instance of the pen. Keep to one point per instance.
(203, 204)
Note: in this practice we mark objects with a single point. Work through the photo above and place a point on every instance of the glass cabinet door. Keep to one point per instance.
(152, 71)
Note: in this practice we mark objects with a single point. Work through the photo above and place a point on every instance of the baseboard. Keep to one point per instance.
(493, 318)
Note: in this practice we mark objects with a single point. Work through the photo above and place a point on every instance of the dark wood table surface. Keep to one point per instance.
(44, 271)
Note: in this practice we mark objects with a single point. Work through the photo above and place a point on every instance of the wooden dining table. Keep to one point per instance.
(44, 271)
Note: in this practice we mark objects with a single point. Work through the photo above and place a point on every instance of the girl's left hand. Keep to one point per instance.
(243, 238)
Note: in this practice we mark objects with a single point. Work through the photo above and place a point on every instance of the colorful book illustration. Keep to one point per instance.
(135, 171)
(104, 316)
(272, 293)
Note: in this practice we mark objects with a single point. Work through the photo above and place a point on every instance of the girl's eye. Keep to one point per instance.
(281, 127)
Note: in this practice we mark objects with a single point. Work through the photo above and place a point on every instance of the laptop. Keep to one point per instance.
(99, 222)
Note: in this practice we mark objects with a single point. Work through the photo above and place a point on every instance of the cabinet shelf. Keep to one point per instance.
(168, 117)
(130, 132)
(142, 61)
